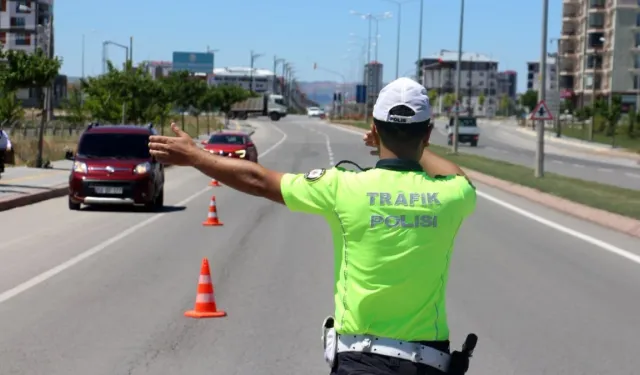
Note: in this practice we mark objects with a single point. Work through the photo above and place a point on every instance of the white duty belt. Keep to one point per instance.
(409, 351)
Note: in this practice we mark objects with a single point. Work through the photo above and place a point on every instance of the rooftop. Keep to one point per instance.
(242, 72)
(466, 56)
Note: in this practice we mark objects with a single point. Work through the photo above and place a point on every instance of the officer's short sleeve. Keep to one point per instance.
(467, 195)
(313, 192)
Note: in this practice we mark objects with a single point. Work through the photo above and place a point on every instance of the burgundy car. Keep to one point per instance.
(113, 166)
(232, 144)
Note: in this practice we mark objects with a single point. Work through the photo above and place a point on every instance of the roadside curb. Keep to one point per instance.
(27, 199)
(603, 218)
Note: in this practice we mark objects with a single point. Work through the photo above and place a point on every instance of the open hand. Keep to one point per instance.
(370, 140)
(179, 150)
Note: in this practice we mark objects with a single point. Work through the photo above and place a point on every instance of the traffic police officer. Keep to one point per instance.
(394, 228)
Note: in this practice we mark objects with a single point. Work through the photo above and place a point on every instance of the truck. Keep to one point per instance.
(271, 105)
(468, 131)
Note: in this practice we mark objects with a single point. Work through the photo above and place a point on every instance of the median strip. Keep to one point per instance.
(607, 205)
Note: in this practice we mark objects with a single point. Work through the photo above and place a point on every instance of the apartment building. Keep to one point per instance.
(157, 69)
(507, 84)
(24, 25)
(373, 79)
(599, 50)
(479, 77)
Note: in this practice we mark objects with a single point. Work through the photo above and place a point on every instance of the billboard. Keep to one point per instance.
(194, 62)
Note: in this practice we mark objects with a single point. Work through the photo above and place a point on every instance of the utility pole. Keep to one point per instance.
(420, 41)
(458, 105)
(367, 75)
(539, 171)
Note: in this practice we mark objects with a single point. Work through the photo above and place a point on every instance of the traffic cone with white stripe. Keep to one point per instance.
(205, 306)
(214, 183)
(212, 216)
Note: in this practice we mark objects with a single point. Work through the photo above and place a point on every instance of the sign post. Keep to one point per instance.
(541, 112)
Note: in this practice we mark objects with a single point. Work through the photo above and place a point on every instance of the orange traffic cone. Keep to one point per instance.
(212, 216)
(214, 182)
(205, 306)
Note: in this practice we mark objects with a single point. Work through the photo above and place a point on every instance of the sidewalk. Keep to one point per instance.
(20, 186)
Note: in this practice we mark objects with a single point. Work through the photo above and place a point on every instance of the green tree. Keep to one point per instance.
(210, 102)
(613, 115)
(230, 95)
(481, 99)
(11, 110)
(633, 119)
(505, 104)
(30, 70)
(449, 100)
(433, 96)
(74, 107)
(529, 99)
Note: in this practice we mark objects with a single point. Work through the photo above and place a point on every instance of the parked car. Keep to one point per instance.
(232, 144)
(113, 166)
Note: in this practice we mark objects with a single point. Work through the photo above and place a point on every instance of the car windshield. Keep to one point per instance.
(227, 139)
(313, 109)
(465, 122)
(279, 101)
(114, 146)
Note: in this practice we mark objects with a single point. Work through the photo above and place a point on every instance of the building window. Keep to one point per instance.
(26, 3)
(23, 40)
(17, 22)
(3, 37)
(3, 6)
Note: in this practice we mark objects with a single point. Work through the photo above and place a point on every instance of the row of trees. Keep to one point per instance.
(605, 116)
(132, 96)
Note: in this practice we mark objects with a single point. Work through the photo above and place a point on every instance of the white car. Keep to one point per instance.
(468, 131)
(315, 112)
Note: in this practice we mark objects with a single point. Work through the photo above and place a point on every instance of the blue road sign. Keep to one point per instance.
(194, 62)
(361, 94)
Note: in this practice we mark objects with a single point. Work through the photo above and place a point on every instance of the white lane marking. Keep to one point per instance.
(605, 170)
(561, 228)
(39, 279)
(632, 175)
(327, 142)
(551, 224)
(578, 165)
(556, 162)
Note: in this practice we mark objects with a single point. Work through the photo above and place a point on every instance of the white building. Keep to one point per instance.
(26, 29)
(478, 79)
(263, 80)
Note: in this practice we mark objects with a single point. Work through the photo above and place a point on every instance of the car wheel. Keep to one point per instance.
(474, 143)
(73, 206)
(157, 203)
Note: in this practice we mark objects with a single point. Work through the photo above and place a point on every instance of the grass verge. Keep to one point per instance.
(622, 139)
(614, 199)
(26, 148)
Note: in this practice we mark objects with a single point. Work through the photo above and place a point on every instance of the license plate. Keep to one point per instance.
(108, 190)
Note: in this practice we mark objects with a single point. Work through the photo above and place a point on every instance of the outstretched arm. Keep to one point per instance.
(242, 175)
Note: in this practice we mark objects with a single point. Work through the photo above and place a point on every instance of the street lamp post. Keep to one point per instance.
(420, 40)
(213, 52)
(254, 56)
(276, 61)
(456, 126)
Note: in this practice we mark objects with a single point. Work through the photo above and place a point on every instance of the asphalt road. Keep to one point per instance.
(502, 142)
(103, 292)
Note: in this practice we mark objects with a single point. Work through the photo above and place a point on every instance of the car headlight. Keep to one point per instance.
(80, 167)
(241, 153)
(142, 168)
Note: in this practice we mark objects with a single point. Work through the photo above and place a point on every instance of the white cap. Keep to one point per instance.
(407, 92)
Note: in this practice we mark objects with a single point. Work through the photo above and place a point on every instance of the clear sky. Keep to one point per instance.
(301, 31)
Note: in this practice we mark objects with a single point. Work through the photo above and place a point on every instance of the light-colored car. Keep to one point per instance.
(315, 112)
(468, 131)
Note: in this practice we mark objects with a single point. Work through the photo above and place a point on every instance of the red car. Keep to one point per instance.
(232, 144)
(112, 166)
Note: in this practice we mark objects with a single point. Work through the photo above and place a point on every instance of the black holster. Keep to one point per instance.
(460, 360)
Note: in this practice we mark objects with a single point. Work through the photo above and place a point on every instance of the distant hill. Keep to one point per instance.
(322, 91)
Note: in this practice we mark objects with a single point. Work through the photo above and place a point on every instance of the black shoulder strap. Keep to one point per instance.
(352, 163)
